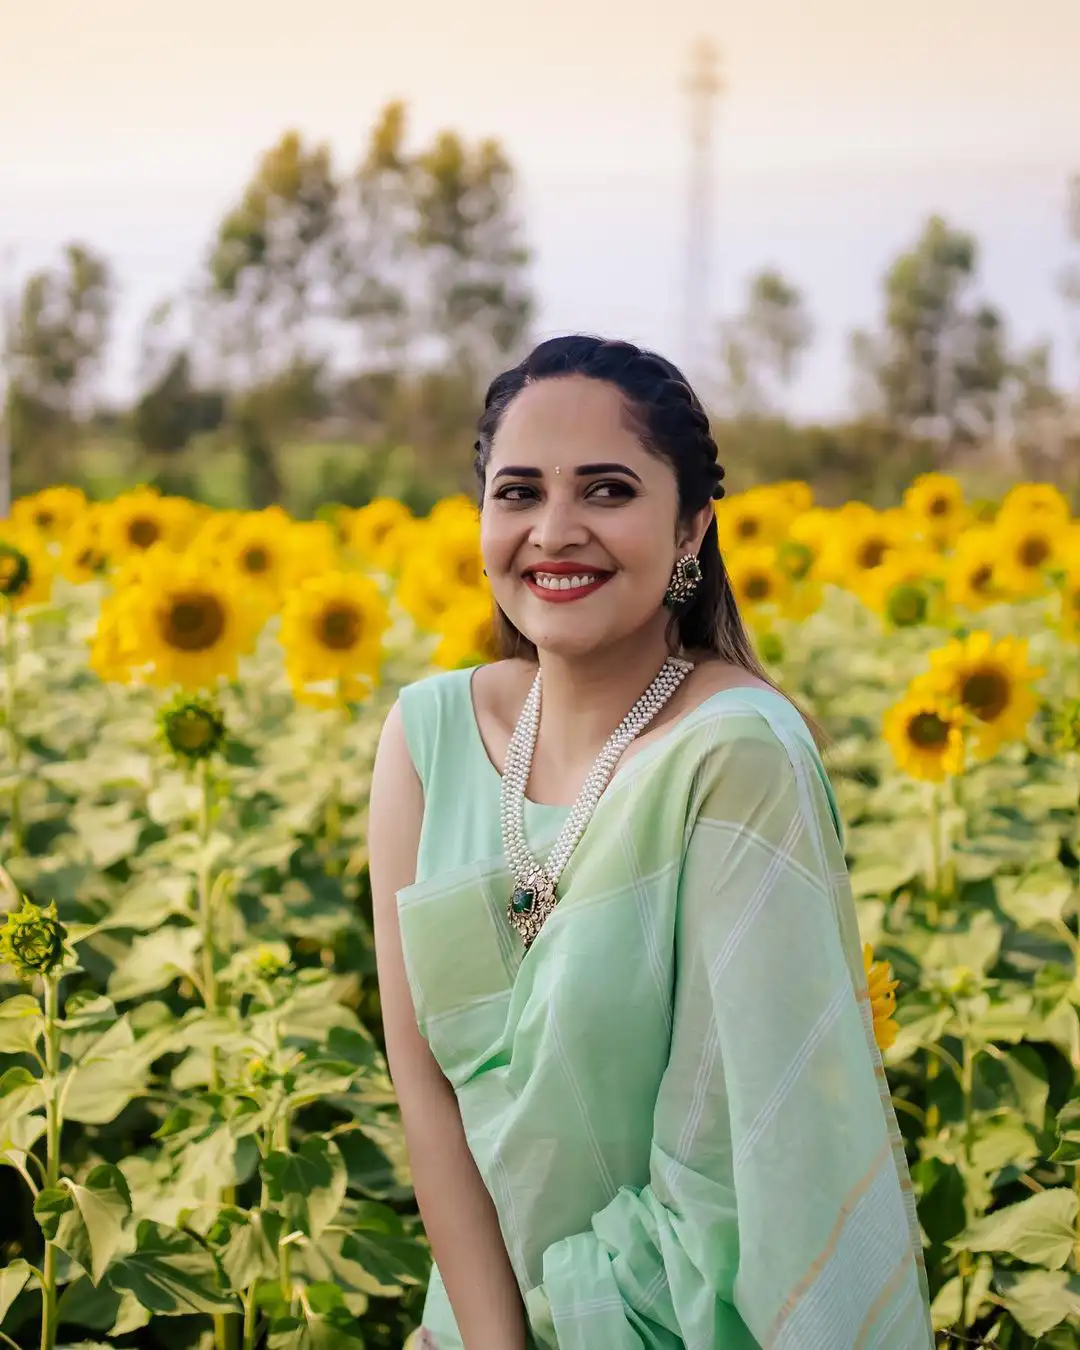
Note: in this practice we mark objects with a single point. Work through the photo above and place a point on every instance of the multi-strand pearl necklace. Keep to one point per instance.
(535, 883)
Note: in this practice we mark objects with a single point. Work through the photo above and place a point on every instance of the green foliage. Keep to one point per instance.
(196, 1123)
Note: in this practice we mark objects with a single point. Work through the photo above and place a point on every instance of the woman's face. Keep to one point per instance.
(579, 526)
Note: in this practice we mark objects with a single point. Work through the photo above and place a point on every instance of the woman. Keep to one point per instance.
(624, 1001)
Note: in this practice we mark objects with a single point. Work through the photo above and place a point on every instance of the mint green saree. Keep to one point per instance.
(674, 1098)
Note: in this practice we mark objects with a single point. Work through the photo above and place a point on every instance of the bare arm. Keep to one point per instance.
(455, 1205)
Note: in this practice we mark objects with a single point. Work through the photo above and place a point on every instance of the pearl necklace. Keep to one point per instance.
(535, 883)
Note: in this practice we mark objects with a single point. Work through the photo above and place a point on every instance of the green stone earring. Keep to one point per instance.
(684, 583)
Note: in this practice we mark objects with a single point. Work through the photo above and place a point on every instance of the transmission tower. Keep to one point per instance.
(703, 86)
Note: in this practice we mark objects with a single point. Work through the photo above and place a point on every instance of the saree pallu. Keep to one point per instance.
(674, 1097)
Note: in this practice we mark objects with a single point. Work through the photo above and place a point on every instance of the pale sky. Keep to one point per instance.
(133, 124)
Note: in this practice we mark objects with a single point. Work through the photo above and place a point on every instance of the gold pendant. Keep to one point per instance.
(530, 905)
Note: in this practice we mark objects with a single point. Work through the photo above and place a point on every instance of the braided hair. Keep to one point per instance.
(671, 423)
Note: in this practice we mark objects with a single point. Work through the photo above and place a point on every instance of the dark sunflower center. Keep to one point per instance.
(985, 692)
(980, 578)
(938, 506)
(256, 559)
(749, 527)
(91, 560)
(758, 587)
(143, 531)
(928, 731)
(871, 554)
(193, 622)
(44, 520)
(339, 627)
(1034, 550)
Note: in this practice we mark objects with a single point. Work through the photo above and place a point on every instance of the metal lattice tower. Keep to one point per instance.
(703, 86)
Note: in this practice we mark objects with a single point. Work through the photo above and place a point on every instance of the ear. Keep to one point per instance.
(692, 533)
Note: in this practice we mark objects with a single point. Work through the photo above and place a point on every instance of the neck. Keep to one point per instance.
(583, 699)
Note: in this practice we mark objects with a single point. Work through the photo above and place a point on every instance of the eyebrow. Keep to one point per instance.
(582, 471)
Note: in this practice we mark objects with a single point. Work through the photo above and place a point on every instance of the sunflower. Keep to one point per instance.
(257, 547)
(903, 590)
(453, 510)
(796, 494)
(882, 990)
(139, 519)
(757, 579)
(467, 632)
(26, 569)
(313, 550)
(457, 548)
(926, 736)
(751, 519)
(114, 654)
(970, 570)
(991, 682)
(935, 502)
(185, 621)
(864, 538)
(51, 512)
(805, 543)
(1028, 546)
(1035, 500)
(376, 532)
(83, 557)
(332, 628)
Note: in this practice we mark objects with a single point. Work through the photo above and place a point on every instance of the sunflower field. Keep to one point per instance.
(198, 1140)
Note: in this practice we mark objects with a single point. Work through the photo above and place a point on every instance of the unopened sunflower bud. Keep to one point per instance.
(907, 605)
(32, 940)
(192, 728)
(771, 649)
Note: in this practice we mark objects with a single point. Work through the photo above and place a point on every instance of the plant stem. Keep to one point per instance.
(934, 877)
(49, 1321)
(225, 1324)
(967, 1088)
(11, 731)
(250, 1319)
(206, 914)
(332, 817)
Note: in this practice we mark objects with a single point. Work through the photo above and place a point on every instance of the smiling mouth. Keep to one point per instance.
(563, 586)
(563, 581)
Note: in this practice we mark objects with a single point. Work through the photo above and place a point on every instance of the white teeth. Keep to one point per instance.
(550, 582)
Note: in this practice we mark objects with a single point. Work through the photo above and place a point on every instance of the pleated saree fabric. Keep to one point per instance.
(674, 1097)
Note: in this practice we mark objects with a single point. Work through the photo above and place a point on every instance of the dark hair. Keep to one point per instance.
(673, 425)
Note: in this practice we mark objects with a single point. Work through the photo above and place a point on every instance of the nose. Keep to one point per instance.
(558, 525)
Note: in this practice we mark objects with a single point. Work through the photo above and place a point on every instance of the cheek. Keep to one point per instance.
(498, 540)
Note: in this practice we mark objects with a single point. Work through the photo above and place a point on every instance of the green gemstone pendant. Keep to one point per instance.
(523, 900)
(529, 906)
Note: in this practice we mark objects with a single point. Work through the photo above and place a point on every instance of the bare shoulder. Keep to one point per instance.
(499, 689)
(711, 675)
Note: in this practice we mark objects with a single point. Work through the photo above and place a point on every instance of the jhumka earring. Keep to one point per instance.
(684, 583)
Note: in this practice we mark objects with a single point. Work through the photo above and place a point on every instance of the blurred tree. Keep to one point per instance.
(761, 348)
(270, 280)
(173, 408)
(940, 362)
(56, 343)
(373, 253)
(477, 302)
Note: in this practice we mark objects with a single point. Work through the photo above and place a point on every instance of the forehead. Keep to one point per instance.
(565, 418)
